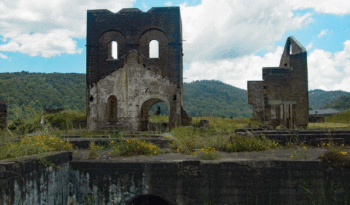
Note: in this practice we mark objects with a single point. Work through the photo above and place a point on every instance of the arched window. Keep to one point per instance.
(154, 49)
(114, 50)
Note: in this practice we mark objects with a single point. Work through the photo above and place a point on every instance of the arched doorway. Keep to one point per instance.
(112, 112)
(148, 199)
(154, 115)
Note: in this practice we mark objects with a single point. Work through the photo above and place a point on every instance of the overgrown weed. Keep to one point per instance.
(93, 150)
(131, 147)
(207, 153)
(243, 144)
(33, 145)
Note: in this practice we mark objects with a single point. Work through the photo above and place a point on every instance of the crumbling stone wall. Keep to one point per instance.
(122, 88)
(282, 97)
(3, 114)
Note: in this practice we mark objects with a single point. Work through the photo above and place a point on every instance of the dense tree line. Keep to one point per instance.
(201, 98)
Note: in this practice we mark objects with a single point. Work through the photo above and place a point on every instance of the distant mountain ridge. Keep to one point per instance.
(321, 99)
(215, 98)
(201, 98)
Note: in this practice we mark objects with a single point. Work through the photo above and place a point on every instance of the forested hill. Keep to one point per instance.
(215, 98)
(51, 90)
(201, 98)
(322, 99)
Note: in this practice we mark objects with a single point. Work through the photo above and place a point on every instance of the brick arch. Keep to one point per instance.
(153, 29)
(153, 34)
(148, 103)
(162, 62)
(104, 46)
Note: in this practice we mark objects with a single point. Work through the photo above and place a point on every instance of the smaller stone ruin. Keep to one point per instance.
(3, 114)
(281, 98)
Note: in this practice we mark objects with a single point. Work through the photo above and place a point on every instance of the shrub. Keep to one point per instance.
(207, 153)
(335, 155)
(92, 153)
(134, 147)
(242, 144)
(33, 145)
(186, 139)
(187, 148)
(25, 119)
(65, 118)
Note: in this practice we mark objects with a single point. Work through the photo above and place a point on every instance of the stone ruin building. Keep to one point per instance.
(3, 114)
(124, 77)
(282, 97)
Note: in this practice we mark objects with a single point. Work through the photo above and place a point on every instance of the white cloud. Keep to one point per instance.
(235, 28)
(236, 71)
(54, 24)
(338, 7)
(168, 3)
(3, 56)
(45, 45)
(326, 71)
(330, 71)
(308, 47)
(322, 33)
(221, 46)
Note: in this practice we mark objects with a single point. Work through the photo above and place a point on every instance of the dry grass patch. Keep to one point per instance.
(329, 125)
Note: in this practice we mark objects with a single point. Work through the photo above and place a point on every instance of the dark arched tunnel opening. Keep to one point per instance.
(148, 199)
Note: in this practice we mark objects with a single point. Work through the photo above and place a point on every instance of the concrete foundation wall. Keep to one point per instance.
(33, 182)
(192, 182)
(177, 182)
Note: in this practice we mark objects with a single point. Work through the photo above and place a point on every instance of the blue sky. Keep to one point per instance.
(226, 40)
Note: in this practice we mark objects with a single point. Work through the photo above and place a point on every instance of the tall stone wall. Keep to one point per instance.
(284, 90)
(3, 114)
(132, 31)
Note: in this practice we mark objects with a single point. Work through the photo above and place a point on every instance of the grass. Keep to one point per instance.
(159, 118)
(219, 136)
(339, 117)
(328, 125)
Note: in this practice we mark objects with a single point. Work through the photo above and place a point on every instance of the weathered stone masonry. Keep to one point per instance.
(282, 97)
(122, 88)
